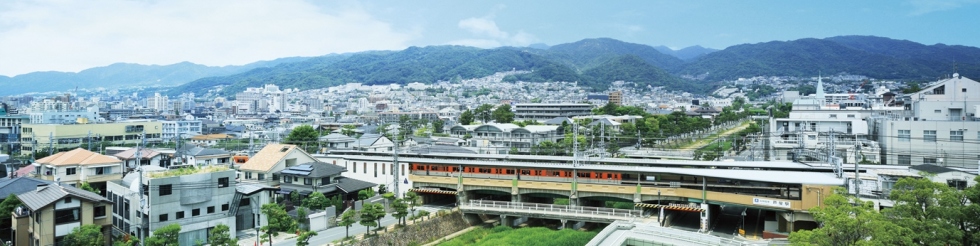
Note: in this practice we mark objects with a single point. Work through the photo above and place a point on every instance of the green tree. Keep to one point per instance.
(88, 187)
(847, 220)
(301, 215)
(401, 210)
(365, 194)
(466, 118)
(484, 113)
(369, 216)
(348, 130)
(379, 212)
(423, 214)
(437, 126)
(912, 87)
(165, 236)
(304, 238)
(278, 221)
(86, 235)
(316, 201)
(931, 211)
(412, 199)
(9, 204)
(382, 188)
(221, 236)
(304, 136)
(503, 114)
(347, 219)
(295, 197)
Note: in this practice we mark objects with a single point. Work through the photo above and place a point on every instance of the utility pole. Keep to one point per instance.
(33, 146)
(89, 138)
(575, 163)
(143, 202)
(602, 143)
(394, 162)
(50, 143)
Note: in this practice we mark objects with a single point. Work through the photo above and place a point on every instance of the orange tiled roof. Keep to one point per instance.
(266, 158)
(77, 156)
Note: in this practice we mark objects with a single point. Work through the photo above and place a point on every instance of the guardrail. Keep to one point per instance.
(564, 209)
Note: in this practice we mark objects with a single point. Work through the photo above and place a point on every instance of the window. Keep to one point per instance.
(963, 90)
(222, 182)
(365, 167)
(307, 181)
(261, 176)
(180, 215)
(833, 116)
(166, 190)
(66, 216)
(248, 175)
(382, 169)
(67, 200)
(956, 183)
(210, 209)
(929, 136)
(195, 212)
(813, 126)
(98, 212)
(938, 111)
(851, 116)
(224, 207)
(376, 169)
(928, 160)
(956, 136)
(324, 181)
(70, 171)
(939, 90)
(904, 160)
(163, 217)
(287, 179)
(102, 170)
(904, 135)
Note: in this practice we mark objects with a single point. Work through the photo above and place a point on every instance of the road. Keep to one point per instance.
(327, 236)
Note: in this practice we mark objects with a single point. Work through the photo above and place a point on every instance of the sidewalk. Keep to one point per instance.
(247, 238)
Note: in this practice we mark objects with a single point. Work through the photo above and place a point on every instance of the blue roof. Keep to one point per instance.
(19, 185)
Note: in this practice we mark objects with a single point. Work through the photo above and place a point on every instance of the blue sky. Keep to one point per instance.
(66, 35)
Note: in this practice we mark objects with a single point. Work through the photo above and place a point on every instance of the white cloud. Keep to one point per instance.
(488, 35)
(920, 7)
(74, 35)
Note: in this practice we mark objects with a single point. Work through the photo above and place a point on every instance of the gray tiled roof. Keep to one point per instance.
(249, 189)
(19, 185)
(39, 198)
(934, 169)
(321, 169)
(349, 185)
(200, 151)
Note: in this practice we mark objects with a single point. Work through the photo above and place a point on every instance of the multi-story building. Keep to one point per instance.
(197, 199)
(79, 165)
(42, 136)
(65, 116)
(158, 102)
(547, 111)
(52, 211)
(10, 131)
(616, 97)
(185, 128)
(939, 125)
(501, 138)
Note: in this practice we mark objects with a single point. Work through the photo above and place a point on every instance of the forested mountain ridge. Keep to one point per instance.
(124, 74)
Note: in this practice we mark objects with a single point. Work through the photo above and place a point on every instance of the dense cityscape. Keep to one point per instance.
(845, 140)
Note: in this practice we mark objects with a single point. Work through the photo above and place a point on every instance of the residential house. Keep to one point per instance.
(210, 139)
(954, 178)
(196, 198)
(265, 165)
(15, 186)
(338, 141)
(374, 143)
(500, 138)
(79, 165)
(146, 157)
(50, 212)
(321, 177)
(201, 156)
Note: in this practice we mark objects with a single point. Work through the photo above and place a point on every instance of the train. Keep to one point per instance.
(534, 172)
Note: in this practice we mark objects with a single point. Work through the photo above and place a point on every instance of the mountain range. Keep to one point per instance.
(592, 62)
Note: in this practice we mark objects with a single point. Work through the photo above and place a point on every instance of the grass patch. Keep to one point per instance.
(502, 235)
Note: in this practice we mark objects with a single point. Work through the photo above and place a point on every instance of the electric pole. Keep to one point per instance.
(394, 162)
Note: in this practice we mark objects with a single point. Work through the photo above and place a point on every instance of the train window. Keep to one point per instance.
(554, 173)
(510, 171)
(455, 169)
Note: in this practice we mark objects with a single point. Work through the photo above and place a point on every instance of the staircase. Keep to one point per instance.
(235, 202)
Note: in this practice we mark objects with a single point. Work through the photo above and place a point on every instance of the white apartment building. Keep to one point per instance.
(547, 111)
(158, 102)
(186, 128)
(939, 125)
(500, 138)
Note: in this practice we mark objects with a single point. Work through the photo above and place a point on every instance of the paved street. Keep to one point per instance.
(335, 233)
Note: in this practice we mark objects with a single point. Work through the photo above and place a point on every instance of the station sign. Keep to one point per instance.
(771, 203)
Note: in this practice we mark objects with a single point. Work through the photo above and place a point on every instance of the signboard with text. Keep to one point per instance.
(771, 203)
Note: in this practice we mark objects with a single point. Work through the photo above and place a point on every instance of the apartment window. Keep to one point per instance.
(195, 212)
(180, 215)
(307, 181)
(938, 111)
(929, 161)
(904, 160)
(929, 136)
(956, 136)
(98, 212)
(210, 209)
(222, 182)
(70, 171)
(904, 135)
(365, 167)
(813, 126)
(850, 116)
(166, 190)
(833, 116)
(66, 216)
(224, 207)
(102, 170)
(163, 217)
(261, 176)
